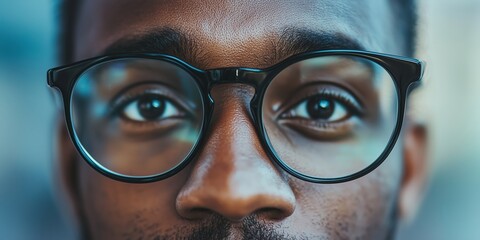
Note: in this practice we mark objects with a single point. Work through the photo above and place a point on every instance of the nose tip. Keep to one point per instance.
(236, 204)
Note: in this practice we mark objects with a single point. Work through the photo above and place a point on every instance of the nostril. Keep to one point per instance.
(189, 208)
(235, 209)
(197, 213)
(274, 214)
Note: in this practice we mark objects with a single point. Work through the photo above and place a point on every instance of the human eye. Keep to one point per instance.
(150, 107)
(150, 110)
(324, 114)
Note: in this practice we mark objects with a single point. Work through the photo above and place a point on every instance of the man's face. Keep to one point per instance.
(232, 189)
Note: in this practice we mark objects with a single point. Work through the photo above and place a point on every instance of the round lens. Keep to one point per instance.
(137, 117)
(330, 116)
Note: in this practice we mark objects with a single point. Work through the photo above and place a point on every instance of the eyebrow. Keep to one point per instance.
(298, 40)
(162, 40)
(288, 42)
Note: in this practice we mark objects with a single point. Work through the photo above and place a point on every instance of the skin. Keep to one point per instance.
(232, 189)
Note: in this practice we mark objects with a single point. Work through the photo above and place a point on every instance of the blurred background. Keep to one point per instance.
(448, 103)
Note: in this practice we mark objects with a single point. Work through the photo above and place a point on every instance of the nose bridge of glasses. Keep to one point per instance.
(248, 76)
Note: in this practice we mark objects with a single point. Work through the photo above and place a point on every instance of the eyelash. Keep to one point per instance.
(349, 101)
(121, 102)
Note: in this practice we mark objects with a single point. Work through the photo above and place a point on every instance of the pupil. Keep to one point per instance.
(151, 107)
(320, 108)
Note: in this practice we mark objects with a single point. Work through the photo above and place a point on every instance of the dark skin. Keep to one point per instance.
(232, 189)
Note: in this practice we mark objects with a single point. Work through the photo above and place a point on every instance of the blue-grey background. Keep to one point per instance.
(30, 207)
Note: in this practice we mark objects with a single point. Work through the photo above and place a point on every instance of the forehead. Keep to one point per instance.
(236, 32)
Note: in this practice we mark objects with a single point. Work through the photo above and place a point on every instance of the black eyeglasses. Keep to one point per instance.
(323, 116)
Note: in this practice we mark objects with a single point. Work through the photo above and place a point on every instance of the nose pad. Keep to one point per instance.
(232, 175)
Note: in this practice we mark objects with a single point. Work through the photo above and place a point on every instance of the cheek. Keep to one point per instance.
(362, 208)
(114, 209)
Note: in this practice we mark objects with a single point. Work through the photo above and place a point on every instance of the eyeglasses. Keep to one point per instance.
(323, 116)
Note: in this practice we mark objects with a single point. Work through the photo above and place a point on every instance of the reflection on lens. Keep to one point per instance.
(137, 117)
(332, 116)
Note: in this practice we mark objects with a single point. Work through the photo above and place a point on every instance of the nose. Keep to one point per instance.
(232, 175)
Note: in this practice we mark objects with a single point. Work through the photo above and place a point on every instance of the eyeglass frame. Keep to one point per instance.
(405, 72)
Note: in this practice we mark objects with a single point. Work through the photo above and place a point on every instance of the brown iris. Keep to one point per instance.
(319, 107)
(151, 107)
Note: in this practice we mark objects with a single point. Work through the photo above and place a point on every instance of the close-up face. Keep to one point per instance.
(243, 154)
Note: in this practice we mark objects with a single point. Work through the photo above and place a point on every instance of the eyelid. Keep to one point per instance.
(127, 96)
(327, 89)
(180, 113)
